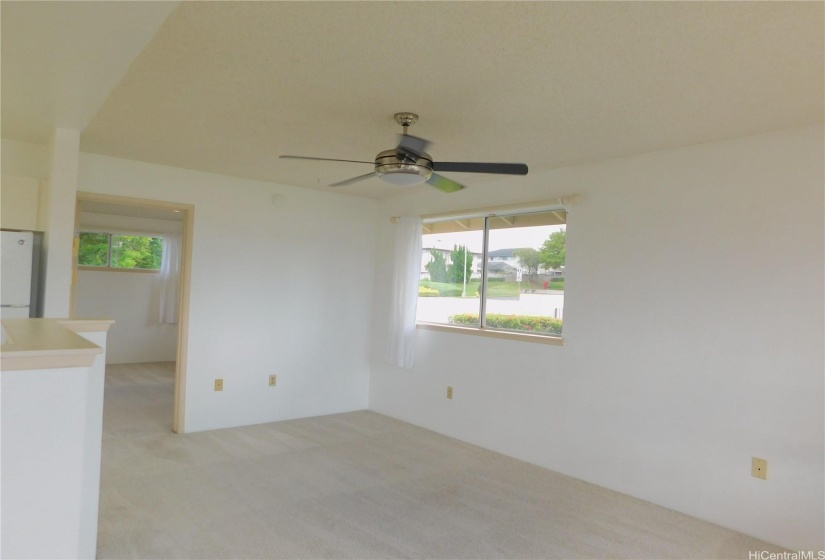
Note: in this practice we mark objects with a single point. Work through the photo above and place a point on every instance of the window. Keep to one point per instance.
(495, 272)
(116, 251)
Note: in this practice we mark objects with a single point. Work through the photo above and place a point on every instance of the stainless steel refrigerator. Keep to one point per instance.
(20, 274)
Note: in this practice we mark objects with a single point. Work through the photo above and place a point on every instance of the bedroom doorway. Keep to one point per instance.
(107, 224)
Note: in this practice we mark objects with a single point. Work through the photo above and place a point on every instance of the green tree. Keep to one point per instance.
(461, 265)
(132, 251)
(127, 251)
(529, 259)
(553, 251)
(437, 267)
(93, 249)
(156, 252)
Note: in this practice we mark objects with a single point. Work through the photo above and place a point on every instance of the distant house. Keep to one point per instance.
(502, 269)
(509, 257)
(503, 263)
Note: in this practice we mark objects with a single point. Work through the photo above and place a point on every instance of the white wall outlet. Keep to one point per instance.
(219, 384)
(273, 380)
(449, 392)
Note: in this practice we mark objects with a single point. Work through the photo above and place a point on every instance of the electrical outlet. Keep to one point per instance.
(219, 384)
(273, 380)
(449, 392)
(759, 468)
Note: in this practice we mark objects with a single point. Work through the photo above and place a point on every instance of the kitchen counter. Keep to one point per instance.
(49, 343)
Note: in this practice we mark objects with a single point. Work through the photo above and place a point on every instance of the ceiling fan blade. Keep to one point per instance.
(353, 180)
(470, 167)
(443, 184)
(325, 159)
(412, 145)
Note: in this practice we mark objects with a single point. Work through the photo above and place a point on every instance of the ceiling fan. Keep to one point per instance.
(409, 164)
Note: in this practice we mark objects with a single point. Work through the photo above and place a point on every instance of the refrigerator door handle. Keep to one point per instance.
(15, 305)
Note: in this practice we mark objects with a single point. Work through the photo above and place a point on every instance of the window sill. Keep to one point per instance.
(490, 333)
(111, 269)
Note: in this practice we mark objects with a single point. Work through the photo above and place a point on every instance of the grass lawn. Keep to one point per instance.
(555, 284)
(494, 289)
(446, 289)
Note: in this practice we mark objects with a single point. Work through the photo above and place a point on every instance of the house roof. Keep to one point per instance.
(228, 86)
(502, 253)
(500, 267)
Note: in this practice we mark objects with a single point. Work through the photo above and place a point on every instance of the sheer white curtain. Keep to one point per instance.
(406, 274)
(169, 279)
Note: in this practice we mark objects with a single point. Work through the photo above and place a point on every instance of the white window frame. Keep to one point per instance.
(109, 267)
(482, 329)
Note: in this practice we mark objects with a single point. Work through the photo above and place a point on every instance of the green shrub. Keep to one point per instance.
(557, 284)
(452, 291)
(527, 323)
(424, 291)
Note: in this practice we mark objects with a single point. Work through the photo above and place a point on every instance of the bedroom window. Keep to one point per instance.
(497, 272)
(118, 251)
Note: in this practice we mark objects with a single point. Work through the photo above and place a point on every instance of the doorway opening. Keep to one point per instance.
(132, 263)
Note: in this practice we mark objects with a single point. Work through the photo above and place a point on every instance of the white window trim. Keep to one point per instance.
(550, 339)
(110, 233)
(481, 330)
(562, 203)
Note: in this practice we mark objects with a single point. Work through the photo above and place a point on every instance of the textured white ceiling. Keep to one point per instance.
(60, 60)
(228, 86)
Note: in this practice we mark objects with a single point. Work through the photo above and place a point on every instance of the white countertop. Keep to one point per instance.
(49, 343)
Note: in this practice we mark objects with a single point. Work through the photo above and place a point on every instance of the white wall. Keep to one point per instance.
(43, 483)
(51, 439)
(693, 336)
(130, 298)
(18, 203)
(279, 288)
(22, 168)
(23, 159)
(92, 448)
(93, 221)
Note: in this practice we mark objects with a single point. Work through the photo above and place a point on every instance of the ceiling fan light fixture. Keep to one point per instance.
(405, 178)
(403, 170)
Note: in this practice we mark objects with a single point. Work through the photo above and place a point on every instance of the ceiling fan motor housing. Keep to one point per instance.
(400, 169)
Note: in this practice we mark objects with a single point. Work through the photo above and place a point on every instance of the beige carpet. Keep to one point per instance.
(355, 485)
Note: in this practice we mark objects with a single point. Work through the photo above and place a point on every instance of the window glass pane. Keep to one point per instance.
(93, 249)
(448, 291)
(132, 251)
(525, 272)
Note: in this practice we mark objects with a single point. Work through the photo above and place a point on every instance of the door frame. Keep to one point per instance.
(188, 211)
